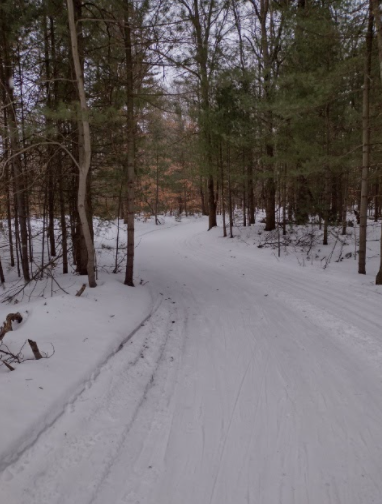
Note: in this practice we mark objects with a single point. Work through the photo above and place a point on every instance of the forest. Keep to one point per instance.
(145, 107)
(190, 251)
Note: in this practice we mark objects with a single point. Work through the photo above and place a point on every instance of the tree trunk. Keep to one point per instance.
(211, 203)
(378, 279)
(6, 79)
(376, 201)
(251, 199)
(2, 279)
(157, 191)
(284, 199)
(202, 198)
(222, 189)
(327, 192)
(130, 171)
(345, 203)
(365, 148)
(230, 209)
(84, 147)
(8, 187)
(270, 217)
(244, 188)
(64, 233)
(378, 23)
(50, 150)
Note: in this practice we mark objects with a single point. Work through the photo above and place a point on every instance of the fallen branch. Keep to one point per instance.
(20, 287)
(11, 355)
(9, 358)
(80, 292)
(7, 326)
(11, 368)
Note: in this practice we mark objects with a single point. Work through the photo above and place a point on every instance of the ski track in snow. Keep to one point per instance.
(252, 382)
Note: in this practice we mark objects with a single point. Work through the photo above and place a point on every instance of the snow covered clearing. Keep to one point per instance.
(254, 380)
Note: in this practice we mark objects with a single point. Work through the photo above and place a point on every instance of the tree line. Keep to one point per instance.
(112, 108)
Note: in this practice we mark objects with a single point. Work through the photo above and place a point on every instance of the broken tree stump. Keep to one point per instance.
(35, 350)
(7, 326)
(81, 290)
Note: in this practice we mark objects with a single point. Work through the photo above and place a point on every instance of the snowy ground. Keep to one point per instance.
(254, 380)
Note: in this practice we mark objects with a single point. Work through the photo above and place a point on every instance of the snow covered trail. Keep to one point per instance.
(253, 382)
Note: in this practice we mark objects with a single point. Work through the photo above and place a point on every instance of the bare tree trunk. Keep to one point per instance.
(43, 235)
(50, 150)
(284, 199)
(157, 192)
(365, 148)
(6, 78)
(230, 209)
(130, 171)
(222, 189)
(378, 23)
(8, 187)
(327, 197)
(17, 237)
(61, 200)
(84, 144)
(270, 218)
(211, 203)
(24, 169)
(9, 217)
(270, 213)
(244, 194)
(202, 198)
(376, 201)
(251, 199)
(185, 200)
(64, 233)
(378, 279)
(2, 279)
(118, 228)
(345, 203)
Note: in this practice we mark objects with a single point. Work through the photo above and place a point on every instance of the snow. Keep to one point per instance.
(253, 379)
(82, 333)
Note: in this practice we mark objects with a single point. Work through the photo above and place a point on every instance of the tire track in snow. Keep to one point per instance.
(314, 398)
(223, 450)
(4, 464)
(80, 430)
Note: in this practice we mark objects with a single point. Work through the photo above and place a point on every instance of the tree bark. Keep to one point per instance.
(270, 218)
(378, 24)
(6, 78)
(222, 189)
(84, 144)
(157, 190)
(365, 148)
(130, 170)
(8, 187)
(2, 278)
(251, 199)
(230, 209)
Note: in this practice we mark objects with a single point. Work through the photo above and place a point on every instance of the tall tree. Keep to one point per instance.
(84, 147)
(130, 170)
(378, 24)
(365, 147)
(7, 63)
(207, 24)
(269, 40)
